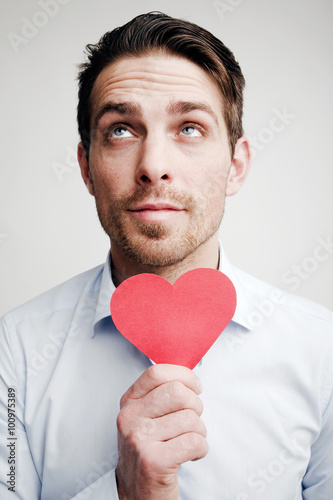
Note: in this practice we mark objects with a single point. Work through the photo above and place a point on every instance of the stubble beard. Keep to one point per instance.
(156, 245)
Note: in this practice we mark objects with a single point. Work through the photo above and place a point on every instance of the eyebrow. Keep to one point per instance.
(123, 108)
(183, 107)
(174, 108)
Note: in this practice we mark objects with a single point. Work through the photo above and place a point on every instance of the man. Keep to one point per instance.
(160, 120)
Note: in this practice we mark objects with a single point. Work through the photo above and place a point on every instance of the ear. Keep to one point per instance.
(85, 169)
(240, 166)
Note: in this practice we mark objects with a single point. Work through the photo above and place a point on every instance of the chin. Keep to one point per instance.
(161, 252)
(155, 254)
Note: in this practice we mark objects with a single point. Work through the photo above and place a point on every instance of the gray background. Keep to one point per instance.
(49, 230)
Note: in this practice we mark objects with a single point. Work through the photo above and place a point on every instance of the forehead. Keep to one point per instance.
(155, 78)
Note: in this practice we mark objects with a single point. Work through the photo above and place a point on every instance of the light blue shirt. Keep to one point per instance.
(267, 396)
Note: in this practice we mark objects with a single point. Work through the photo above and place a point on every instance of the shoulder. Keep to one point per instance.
(292, 310)
(59, 298)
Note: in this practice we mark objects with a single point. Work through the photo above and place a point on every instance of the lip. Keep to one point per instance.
(158, 212)
(154, 206)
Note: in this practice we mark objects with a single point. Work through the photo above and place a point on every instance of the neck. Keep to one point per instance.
(206, 255)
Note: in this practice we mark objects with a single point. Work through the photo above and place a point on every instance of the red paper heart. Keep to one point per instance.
(177, 323)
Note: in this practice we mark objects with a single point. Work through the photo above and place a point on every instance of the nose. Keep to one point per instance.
(154, 165)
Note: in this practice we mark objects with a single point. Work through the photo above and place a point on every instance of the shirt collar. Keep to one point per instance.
(105, 293)
(243, 307)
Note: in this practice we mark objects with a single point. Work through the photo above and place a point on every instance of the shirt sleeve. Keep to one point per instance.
(318, 480)
(17, 469)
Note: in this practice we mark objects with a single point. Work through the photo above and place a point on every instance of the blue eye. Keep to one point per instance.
(121, 132)
(191, 132)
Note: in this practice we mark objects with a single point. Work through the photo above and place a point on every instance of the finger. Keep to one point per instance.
(157, 375)
(165, 399)
(168, 398)
(163, 428)
(190, 446)
(175, 424)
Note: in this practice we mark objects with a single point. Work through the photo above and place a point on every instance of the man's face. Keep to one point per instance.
(159, 157)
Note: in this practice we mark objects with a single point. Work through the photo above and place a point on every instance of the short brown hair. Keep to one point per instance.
(156, 31)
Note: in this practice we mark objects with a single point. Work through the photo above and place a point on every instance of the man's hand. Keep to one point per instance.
(159, 428)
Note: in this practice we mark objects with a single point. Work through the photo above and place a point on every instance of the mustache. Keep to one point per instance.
(150, 194)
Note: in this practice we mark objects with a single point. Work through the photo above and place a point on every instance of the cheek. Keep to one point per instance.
(208, 180)
(109, 176)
